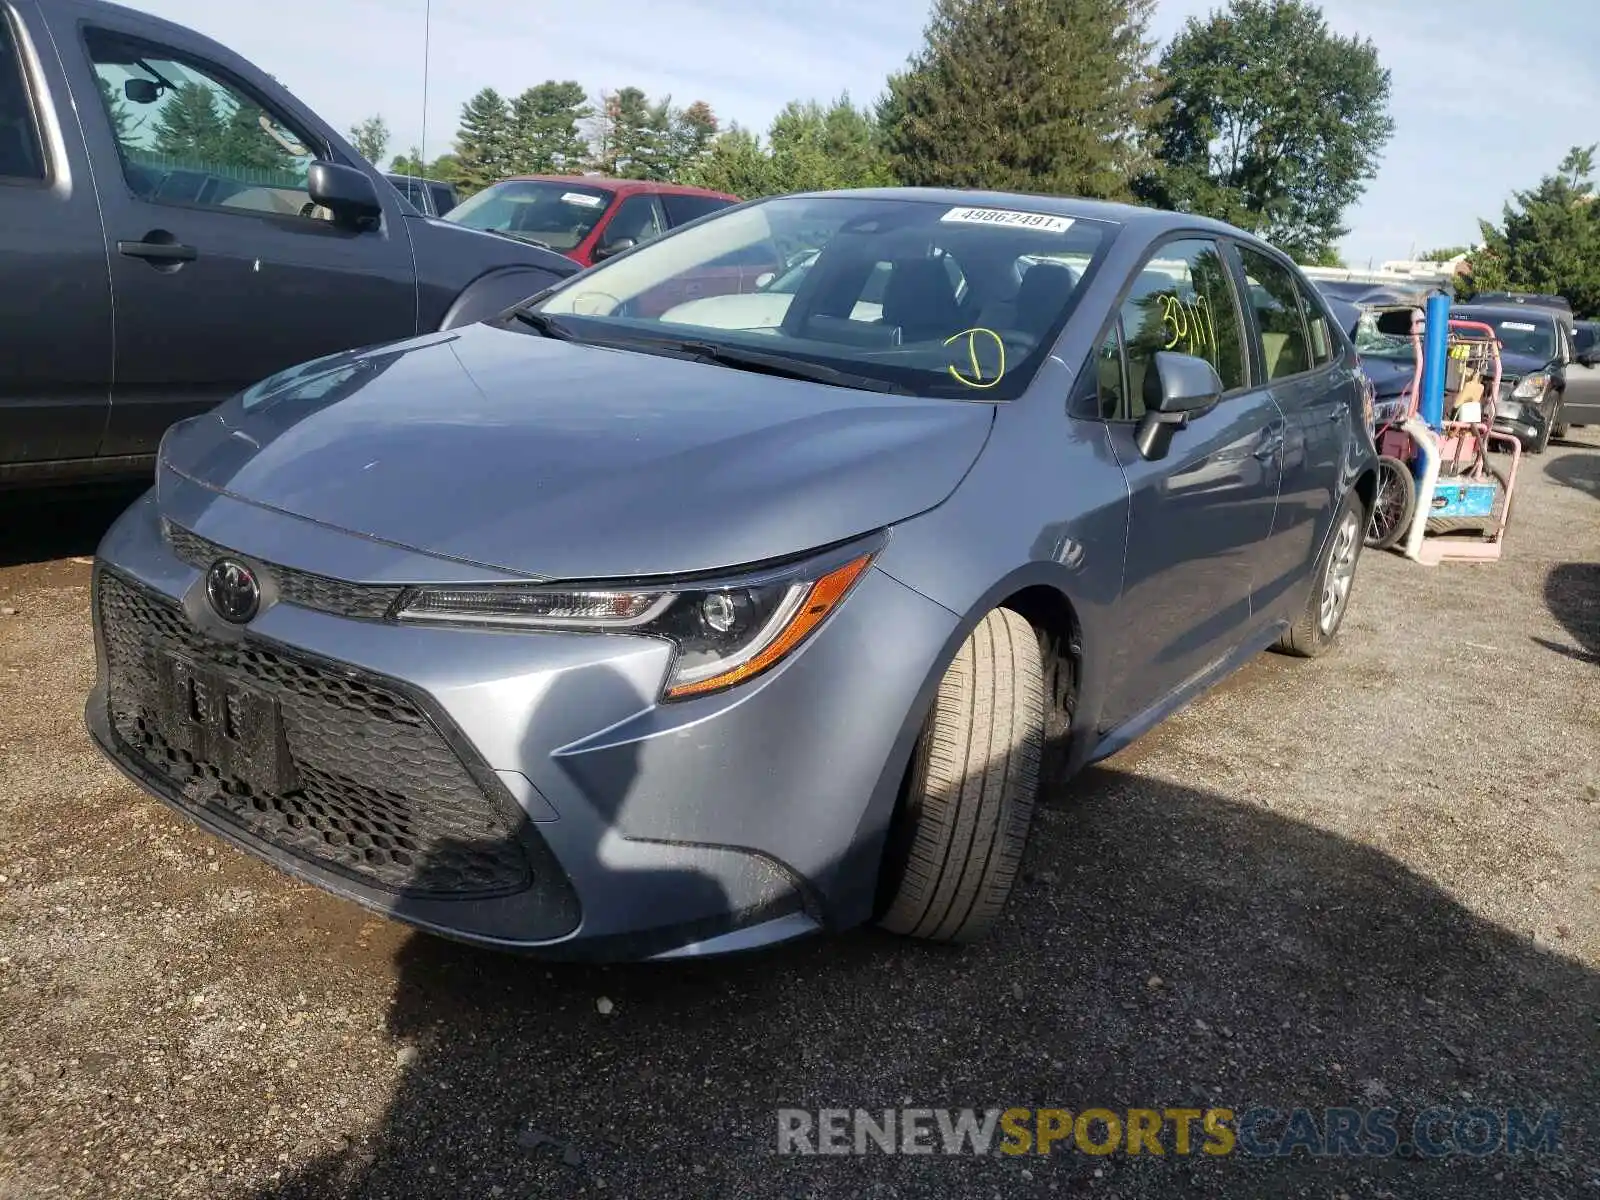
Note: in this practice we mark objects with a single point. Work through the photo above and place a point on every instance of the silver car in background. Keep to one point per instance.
(597, 631)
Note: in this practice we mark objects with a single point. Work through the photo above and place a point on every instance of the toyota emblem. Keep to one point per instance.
(233, 591)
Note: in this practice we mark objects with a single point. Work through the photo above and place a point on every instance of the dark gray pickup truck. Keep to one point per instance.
(175, 226)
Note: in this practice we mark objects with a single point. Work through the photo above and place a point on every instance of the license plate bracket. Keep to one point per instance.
(235, 728)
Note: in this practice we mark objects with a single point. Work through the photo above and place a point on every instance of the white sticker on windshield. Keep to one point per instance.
(1048, 222)
(1519, 326)
(580, 198)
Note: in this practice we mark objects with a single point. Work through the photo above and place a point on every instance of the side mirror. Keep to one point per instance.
(609, 249)
(347, 193)
(1176, 388)
(764, 278)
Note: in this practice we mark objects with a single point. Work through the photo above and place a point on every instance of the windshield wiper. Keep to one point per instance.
(546, 325)
(784, 367)
(525, 239)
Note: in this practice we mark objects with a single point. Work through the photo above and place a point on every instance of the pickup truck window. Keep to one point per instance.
(190, 138)
(21, 152)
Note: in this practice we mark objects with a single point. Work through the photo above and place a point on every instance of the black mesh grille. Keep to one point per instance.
(363, 601)
(365, 784)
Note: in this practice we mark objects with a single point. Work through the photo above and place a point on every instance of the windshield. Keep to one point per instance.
(917, 296)
(558, 215)
(1532, 339)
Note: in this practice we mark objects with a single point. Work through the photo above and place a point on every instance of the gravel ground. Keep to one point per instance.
(1277, 898)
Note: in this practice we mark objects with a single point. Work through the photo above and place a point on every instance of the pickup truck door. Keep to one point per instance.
(223, 270)
(55, 305)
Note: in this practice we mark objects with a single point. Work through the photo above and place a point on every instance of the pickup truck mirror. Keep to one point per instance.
(347, 193)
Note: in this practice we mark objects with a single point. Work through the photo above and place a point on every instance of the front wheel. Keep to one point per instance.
(1317, 626)
(1394, 504)
(956, 843)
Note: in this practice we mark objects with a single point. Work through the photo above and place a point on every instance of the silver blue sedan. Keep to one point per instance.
(673, 613)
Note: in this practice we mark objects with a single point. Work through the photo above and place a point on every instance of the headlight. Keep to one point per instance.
(1531, 388)
(725, 631)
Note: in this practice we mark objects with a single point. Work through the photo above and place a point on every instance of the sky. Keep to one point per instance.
(1457, 153)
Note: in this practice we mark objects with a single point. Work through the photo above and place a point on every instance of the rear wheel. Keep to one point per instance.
(957, 841)
(1394, 503)
(1314, 631)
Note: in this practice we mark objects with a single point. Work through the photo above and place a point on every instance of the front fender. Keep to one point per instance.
(493, 293)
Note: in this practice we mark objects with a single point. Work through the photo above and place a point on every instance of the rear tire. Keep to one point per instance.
(1394, 504)
(958, 839)
(1314, 631)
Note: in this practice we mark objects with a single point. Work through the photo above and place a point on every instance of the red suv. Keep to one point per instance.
(585, 217)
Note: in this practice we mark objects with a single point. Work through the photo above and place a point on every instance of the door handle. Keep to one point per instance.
(159, 249)
(1270, 445)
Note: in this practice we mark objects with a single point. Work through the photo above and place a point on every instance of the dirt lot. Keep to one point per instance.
(1370, 880)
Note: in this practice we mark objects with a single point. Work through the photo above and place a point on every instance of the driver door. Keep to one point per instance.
(222, 269)
(1580, 402)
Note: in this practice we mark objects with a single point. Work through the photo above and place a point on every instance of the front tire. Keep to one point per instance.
(1314, 631)
(957, 841)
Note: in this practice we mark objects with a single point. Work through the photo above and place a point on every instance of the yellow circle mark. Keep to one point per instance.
(977, 380)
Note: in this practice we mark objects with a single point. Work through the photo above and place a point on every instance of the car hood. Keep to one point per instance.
(559, 460)
(1515, 366)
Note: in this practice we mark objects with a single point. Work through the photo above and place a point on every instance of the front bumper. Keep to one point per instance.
(523, 791)
(1527, 427)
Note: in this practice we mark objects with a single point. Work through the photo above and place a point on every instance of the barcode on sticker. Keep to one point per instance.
(1048, 222)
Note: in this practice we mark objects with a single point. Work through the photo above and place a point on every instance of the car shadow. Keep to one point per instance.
(1165, 946)
(1572, 594)
(39, 526)
(1580, 472)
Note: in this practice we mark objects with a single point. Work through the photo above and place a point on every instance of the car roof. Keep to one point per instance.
(1507, 312)
(622, 186)
(1148, 221)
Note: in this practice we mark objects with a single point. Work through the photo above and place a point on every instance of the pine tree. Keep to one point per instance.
(190, 127)
(544, 129)
(483, 142)
(690, 135)
(1548, 240)
(1026, 95)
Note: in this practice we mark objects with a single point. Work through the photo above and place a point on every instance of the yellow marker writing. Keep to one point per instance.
(977, 380)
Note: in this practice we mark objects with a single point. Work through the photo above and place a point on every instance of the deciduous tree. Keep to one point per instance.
(1271, 121)
(371, 138)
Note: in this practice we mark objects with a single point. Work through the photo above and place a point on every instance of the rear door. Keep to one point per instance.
(1198, 517)
(224, 271)
(1293, 347)
(55, 302)
(1580, 403)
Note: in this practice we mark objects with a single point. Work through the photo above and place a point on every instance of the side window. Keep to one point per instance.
(683, 209)
(1285, 348)
(21, 151)
(1317, 325)
(1182, 300)
(636, 217)
(190, 137)
(1109, 390)
(443, 201)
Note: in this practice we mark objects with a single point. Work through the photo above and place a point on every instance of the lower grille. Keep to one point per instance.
(335, 768)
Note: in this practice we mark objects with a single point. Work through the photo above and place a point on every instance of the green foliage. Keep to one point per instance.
(123, 122)
(446, 168)
(1548, 240)
(810, 147)
(371, 138)
(1026, 95)
(1272, 122)
(484, 143)
(544, 129)
(1443, 254)
(194, 127)
(636, 138)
